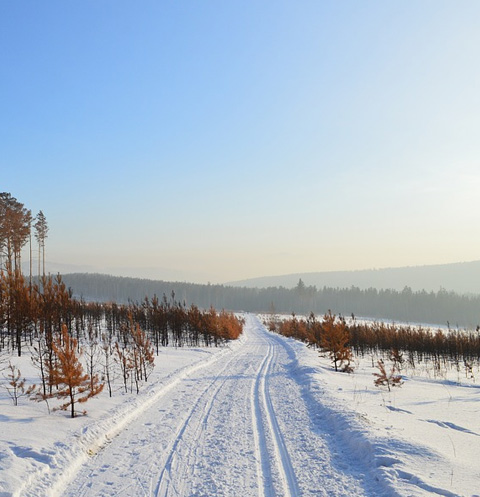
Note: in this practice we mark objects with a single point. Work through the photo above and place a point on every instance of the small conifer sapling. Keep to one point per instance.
(73, 384)
(389, 379)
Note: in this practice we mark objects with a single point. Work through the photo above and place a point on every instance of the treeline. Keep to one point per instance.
(42, 309)
(418, 344)
(171, 322)
(441, 307)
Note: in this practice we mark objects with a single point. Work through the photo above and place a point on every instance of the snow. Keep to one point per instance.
(263, 416)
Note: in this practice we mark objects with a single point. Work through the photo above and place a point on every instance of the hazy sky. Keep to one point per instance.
(221, 140)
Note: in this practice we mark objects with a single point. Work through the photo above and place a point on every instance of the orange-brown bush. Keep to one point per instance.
(330, 335)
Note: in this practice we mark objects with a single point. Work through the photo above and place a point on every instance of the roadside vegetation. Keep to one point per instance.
(80, 347)
(404, 347)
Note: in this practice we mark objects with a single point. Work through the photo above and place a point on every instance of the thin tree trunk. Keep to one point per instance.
(31, 262)
(43, 258)
(72, 401)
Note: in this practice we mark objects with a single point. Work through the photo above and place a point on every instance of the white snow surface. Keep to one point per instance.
(263, 416)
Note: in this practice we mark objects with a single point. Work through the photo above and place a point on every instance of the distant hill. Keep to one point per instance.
(143, 272)
(463, 278)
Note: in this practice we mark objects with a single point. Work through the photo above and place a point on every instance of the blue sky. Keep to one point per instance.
(216, 140)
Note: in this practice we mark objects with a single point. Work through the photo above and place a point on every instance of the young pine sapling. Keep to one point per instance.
(389, 379)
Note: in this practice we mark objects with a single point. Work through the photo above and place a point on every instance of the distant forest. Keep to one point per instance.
(440, 308)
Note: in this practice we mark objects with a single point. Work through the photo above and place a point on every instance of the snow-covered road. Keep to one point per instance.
(261, 416)
(238, 425)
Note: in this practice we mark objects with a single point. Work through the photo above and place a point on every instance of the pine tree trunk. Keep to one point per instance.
(30, 244)
(72, 403)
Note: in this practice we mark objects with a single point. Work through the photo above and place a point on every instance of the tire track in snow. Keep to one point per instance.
(261, 402)
(264, 474)
(207, 398)
(269, 446)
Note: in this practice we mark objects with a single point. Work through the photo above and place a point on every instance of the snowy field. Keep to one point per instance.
(264, 416)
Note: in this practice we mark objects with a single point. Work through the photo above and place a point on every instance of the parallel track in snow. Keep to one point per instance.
(268, 440)
(262, 403)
